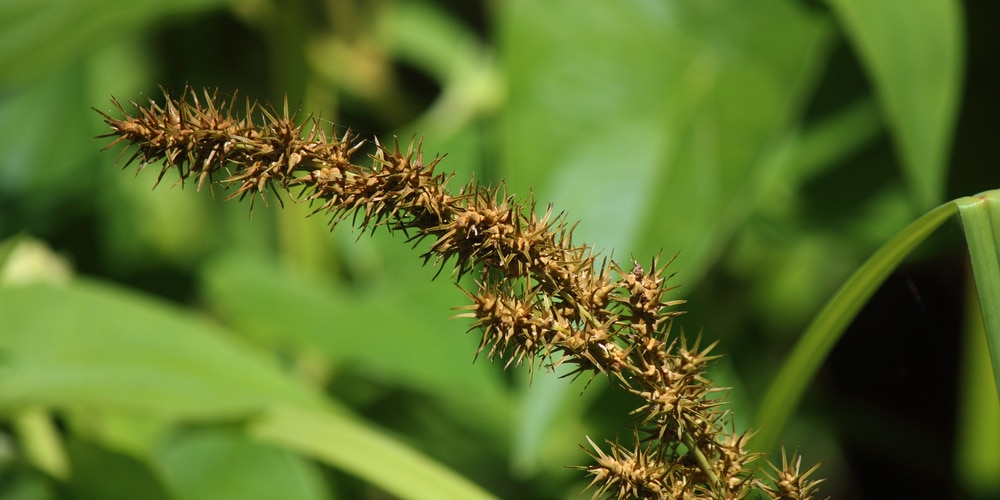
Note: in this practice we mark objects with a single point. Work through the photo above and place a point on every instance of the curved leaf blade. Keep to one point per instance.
(93, 346)
(913, 50)
(359, 449)
(819, 338)
(981, 221)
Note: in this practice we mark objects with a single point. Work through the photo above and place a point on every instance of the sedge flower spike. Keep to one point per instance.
(539, 298)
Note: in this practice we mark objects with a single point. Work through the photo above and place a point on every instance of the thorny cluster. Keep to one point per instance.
(539, 296)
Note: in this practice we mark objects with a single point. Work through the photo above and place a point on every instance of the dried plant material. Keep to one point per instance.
(790, 482)
(539, 297)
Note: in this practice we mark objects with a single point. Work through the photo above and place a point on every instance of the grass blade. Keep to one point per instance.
(817, 341)
(981, 220)
(977, 435)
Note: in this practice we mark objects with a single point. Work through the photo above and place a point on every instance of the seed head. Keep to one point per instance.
(538, 296)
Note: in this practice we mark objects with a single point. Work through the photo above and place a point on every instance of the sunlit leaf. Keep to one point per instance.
(90, 346)
(93, 345)
(356, 448)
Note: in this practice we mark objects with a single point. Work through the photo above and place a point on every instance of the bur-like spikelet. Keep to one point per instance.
(539, 296)
(790, 482)
(630, 473)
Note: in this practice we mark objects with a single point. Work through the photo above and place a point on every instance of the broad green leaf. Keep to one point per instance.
(92, 345)
(913, 51)
(356, 448)
(648, 121)
(217, 463)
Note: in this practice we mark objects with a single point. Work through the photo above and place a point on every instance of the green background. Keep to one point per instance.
(191, 352)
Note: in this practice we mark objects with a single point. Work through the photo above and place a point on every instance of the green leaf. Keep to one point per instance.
(219, 463)
(93, 345)
(357, 448)
(913, 51)
(649, 121)
(819, 338)
(977, 435)
(398, 333)
(981, 221)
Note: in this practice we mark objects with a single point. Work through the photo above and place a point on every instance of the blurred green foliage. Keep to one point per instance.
(772, 145)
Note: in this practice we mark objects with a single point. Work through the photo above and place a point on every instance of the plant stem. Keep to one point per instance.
(700, 458)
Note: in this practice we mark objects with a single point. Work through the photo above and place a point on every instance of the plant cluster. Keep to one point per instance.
(539, 298)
